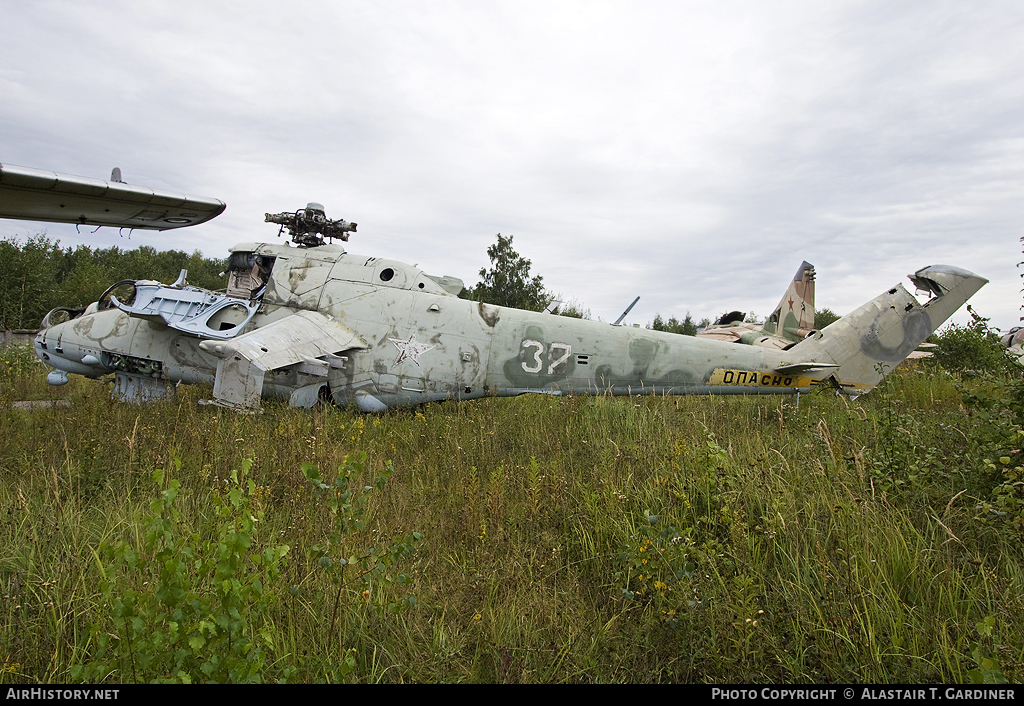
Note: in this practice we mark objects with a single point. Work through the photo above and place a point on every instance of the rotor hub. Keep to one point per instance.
(308, 226)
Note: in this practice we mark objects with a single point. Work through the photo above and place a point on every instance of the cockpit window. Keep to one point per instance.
(241, 261)
(248, 274)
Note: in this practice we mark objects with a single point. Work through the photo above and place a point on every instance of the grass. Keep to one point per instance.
(836, 541)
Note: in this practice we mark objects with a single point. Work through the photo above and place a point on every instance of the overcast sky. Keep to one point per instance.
(691, 153)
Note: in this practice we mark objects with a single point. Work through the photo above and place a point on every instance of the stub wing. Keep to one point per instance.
(39, 195)
(305, 339)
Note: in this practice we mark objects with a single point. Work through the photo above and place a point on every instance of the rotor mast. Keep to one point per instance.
(308, 226)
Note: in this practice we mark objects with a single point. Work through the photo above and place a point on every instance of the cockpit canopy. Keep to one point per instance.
(248, 274)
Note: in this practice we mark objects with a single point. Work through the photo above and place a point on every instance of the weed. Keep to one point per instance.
(345, 556)
(185, 608)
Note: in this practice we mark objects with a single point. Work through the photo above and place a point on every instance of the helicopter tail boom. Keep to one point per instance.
(859, 349)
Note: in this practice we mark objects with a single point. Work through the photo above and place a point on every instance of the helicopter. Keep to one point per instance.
(309, 321)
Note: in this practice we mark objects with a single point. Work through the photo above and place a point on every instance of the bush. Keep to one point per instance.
(202, 611)
(973, 348)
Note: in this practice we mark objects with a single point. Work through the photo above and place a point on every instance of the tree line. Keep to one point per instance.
(509, 282)
(38, 275)
(689, 327)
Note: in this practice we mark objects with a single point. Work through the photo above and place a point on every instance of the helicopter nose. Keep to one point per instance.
(59, 347)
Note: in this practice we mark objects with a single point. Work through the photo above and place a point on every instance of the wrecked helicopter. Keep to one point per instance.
(312, 321)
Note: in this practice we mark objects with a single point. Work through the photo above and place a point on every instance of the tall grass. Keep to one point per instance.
(574, 539)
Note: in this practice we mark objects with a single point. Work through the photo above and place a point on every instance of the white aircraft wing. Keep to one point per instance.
(40, 195)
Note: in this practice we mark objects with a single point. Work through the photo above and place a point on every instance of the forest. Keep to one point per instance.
(38, 275)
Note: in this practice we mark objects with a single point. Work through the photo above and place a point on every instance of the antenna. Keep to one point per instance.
(628, 309)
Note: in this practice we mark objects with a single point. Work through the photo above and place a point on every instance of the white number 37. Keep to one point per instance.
(532, 351)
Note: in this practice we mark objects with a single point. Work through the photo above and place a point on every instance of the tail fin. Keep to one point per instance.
(793, 318)
(859, 350)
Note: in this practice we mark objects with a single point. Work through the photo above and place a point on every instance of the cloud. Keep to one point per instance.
(693, 154)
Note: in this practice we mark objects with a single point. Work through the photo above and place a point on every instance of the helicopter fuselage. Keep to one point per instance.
(320, 323)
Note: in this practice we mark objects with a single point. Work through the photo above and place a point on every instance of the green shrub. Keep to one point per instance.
(971, 349)
(185, 608)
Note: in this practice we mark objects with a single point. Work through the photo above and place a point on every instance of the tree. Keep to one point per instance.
(974, 347)
(686, 327)
(38, 275)
(823, 317)
(508, 282)
(573, 309)
(28, 280)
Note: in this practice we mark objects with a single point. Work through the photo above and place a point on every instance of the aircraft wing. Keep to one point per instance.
(306, 338)
(39, 195)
